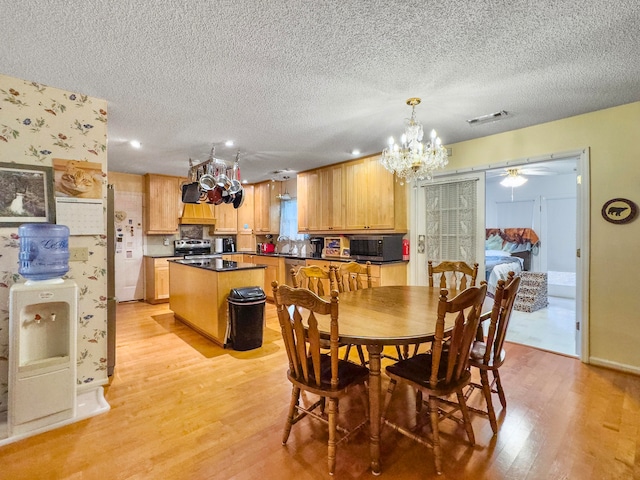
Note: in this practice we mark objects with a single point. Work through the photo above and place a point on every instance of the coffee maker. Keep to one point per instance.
(228, 245)
(317, 244)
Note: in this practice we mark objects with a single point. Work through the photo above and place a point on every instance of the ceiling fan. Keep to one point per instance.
(517, 176)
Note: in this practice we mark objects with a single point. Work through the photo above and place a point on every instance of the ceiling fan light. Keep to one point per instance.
(513, 181)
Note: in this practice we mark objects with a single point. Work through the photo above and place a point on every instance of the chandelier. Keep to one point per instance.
(413, 160)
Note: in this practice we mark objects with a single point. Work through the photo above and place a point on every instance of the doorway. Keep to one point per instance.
(544, 316)
(570, 285)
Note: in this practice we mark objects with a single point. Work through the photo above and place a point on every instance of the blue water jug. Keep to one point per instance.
(44, 251)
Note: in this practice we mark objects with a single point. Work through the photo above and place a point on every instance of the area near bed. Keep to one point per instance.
(508, 250)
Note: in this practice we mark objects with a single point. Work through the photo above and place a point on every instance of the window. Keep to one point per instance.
(289, 220)
(451, 211)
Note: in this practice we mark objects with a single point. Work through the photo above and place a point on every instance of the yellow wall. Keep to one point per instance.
(612, 136)
(126, 182)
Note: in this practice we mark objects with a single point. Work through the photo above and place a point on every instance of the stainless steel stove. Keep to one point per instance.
(192, 247)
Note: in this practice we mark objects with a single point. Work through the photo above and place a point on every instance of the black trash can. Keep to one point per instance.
(246, 317)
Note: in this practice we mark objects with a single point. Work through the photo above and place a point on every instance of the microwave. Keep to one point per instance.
(377, 248)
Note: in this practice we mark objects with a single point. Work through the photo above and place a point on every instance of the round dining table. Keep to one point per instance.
(379, 316)
(389, 315)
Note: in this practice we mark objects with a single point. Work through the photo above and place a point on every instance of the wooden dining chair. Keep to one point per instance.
(487, 352)
(349, 277)
(312, 278)
(453, 275)
(352, 276)
(442, 371)
(311, 371)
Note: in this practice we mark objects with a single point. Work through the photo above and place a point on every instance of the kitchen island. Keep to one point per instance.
(198, 291)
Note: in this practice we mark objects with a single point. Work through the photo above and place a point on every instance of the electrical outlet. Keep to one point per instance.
(78, 254)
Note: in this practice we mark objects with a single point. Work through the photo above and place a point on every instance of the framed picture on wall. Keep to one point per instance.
(26, 194)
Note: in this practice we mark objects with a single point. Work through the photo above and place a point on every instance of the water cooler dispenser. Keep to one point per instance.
(42, 354)
(42, 332)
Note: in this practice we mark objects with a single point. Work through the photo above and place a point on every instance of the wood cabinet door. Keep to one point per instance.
(380, 204)
(304, 201)
(163, 203)
(226, 218)
(262, 206)
(334, 192)
(246, 216)
(356, 195)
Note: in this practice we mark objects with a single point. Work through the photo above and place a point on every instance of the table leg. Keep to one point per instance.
(375, 387)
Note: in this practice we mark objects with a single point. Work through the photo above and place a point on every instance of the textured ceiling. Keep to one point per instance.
(299, 83)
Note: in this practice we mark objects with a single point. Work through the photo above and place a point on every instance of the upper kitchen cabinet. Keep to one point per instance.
(163, 202)
(226, 219)
(373, 199)
(246, 216)
(246, 238)
(320, 200)
(359, 195)
(266, 208)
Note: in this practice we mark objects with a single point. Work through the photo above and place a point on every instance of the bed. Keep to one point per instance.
(508, 250)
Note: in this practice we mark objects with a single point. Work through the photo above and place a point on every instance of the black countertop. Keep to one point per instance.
(217, 265)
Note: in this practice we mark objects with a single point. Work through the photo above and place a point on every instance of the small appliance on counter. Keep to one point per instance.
(336, 247)
(377, 248)
(267, 248)
(228, 245)
(317, 243)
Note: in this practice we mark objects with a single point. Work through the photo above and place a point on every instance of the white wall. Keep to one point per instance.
(546, 203)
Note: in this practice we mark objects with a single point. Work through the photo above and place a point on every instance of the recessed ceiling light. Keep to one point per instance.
(135, 144)
(355, 151)
(245, 181)
(228, 143)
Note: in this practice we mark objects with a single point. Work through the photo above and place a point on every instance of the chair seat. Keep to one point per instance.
(349, 373)
(417, 369)
(476, 356)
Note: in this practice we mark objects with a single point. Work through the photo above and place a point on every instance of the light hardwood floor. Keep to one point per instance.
(182, 408)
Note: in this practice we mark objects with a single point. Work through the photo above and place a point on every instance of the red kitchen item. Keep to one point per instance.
(268, 248)
(405, 249)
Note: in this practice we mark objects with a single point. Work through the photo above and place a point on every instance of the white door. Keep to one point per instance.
(128, 252)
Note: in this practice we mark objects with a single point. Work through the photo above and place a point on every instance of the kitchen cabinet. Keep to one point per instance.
(353, 197)
(266, 208)
(246, 238)
(156, 274)
(163, 203)
(370, 202)
(199, 296)
(320, 200)
(226, 219)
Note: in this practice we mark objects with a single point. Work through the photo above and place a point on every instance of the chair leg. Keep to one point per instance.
(387, 398)
(346, 354)
(486, 389)
(363, 362)
(295, 397)
(467, 419)
(437, 450)
(333, 408)
(503, 399)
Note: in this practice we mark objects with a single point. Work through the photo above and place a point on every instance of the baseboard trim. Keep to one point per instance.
(621, 367)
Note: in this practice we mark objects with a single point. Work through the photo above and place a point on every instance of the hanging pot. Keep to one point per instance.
(215, 195)
(207, 181)
(190, 193)
(239, 198)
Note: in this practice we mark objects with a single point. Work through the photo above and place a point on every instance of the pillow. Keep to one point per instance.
(496, 253)
(494, 242)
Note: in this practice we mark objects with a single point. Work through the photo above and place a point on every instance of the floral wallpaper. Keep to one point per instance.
(39, 123)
